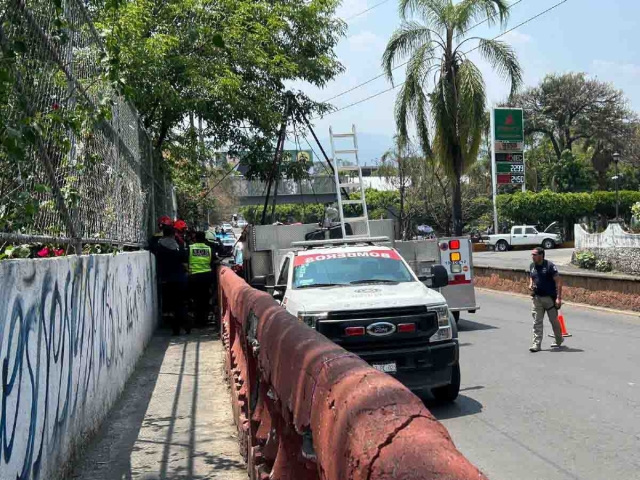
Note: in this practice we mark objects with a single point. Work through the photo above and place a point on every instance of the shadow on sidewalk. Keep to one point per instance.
(153, 431)
(111, 459)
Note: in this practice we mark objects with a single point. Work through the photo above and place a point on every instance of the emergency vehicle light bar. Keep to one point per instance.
(341, 241)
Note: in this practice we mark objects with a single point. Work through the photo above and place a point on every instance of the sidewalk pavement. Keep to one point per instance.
(173, 421)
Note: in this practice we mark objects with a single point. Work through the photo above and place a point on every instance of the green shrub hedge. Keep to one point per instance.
(546, 206)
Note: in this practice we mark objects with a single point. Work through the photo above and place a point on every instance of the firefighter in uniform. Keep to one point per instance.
(201, 277)
(181, 232)
(152, 246)
(170, 258)
(162, 222)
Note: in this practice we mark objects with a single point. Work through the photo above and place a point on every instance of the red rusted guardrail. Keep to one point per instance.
(308, 409)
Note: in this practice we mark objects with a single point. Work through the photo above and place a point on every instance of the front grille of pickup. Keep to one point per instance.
(334, 328)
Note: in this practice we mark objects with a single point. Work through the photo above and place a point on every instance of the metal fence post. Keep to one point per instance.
(92, 191)
(152, 176)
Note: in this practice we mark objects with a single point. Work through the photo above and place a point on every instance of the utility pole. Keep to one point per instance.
(616, 159)
(276, 160)
(494, 179)
(275, 191)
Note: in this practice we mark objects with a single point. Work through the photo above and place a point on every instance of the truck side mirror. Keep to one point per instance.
(439, 277)
(259, 283)
(279, 292)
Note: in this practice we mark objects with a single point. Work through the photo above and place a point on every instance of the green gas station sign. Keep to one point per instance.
(508, 144)
(509, 125)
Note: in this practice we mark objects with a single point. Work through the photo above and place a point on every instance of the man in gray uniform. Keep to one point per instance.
(546, 289)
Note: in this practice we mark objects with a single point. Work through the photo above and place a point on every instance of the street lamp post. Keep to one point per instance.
(616, 159)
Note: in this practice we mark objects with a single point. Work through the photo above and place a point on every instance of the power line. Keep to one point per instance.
(367, 82)
(205, 194)
(366, 99)
(365, 11)
(466, 53)
(553, 7)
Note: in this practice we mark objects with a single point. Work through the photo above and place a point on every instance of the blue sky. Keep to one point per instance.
(592, 36)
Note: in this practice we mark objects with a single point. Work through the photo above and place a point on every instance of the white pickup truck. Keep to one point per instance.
(524, 235)
(364, 297)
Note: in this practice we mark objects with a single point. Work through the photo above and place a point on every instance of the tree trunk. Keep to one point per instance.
(457, 207)
(457, 194)
(402, 219)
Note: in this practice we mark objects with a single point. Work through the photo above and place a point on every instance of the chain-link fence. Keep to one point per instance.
(76, 165)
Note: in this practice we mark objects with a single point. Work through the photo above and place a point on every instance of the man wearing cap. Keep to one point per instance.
(545, 285)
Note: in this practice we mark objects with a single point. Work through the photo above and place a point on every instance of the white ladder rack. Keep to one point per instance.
(353, 186)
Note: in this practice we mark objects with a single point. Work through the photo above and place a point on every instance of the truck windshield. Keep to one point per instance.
(352, 268)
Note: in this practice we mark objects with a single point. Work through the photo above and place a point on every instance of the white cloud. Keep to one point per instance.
(517, 38)
(614, 68)
(366, 41)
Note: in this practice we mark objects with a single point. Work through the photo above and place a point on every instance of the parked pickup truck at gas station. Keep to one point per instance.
(524, 235)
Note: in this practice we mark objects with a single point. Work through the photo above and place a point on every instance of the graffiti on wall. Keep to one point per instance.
(71, 331)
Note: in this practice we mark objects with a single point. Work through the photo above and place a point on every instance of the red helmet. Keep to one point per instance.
(165, 221)
(180, 225)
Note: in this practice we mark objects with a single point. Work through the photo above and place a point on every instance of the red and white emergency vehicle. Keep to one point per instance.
(394, 303)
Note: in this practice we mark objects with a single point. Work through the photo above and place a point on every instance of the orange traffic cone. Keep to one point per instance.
(563, 326)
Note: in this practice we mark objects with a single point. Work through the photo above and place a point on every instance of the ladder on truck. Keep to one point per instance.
(349, 187)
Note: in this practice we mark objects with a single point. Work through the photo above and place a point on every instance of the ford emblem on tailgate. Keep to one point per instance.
(381, 329)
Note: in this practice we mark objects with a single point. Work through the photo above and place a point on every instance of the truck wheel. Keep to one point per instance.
(449, 393)
(502, 246)
(456, 316)
(548, 244)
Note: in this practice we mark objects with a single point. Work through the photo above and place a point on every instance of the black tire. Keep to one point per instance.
(456, 316)
(449, 393)
(548, 244)
(502, 246)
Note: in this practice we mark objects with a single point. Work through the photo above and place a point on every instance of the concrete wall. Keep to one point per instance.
(71, 331)
(620, 248)
(613, 237)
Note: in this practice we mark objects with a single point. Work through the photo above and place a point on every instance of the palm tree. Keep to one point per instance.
(433, 44)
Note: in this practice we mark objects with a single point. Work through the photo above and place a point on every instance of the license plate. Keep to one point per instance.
(389, 367)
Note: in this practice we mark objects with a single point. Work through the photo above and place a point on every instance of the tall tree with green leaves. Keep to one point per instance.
(226, 62)
(443, 86)
(582, 115)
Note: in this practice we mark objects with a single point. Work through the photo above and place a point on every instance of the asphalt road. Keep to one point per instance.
(552, 415)
(521, 258)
